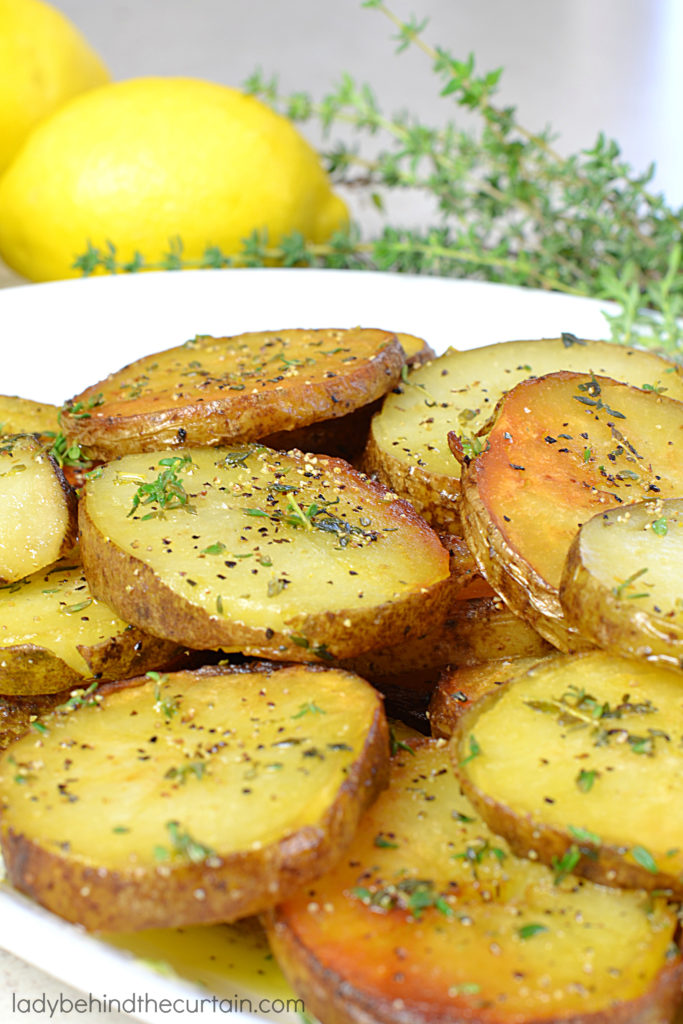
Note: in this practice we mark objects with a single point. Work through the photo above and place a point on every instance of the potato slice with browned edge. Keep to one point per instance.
(17, 714)
(430, 917)
(291, 556)
(579, 762)
(346, 436)
(212, 391)
(621, 586)
(459, 687)
(563, 448)
(24, 416)
(459, 391)
(37, 508)
(194, 797)
(54, 635)
(473, 631)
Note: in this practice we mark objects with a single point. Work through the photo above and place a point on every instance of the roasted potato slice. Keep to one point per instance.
(212, 391)
(458, 688)
(563, 448)
(37, 508)
(472, 632)
(195, 797)
(291, 556)
(621, 586)
(54, 635)
(459, 391)
(24, 416)
(580, 763)
(430, 917)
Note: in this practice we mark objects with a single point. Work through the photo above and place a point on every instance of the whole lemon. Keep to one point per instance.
(139, 162)
(44, 61)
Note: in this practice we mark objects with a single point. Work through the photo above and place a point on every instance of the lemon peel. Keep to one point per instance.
(138, 162)
(44, 61)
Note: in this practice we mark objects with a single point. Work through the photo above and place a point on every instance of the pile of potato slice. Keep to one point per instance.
(270, 538)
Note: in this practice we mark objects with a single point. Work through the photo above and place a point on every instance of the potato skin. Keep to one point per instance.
(473, 631)
(133, 652)
(217, 889)
(17, 713)
(524, 591)
(31, 670)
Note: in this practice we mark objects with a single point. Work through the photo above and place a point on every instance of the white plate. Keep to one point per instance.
(58, 338)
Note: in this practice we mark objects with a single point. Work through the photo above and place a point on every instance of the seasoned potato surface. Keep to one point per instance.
(286, 555)
(430, 917)
(190, 797)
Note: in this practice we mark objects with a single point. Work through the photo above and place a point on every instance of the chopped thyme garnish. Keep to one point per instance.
(527, 931)
(644, 858)
(214, 549)
(384, 844)
(197, 769)
(72, 609)
(594, 390)
(475, 750)
(618, 591)
(81, 698)
(315, 516)
(577, 709)
(585, 779)
(66, 454)
(474, 854)
(167, 491)
(471, 446)
(395, 744)
(167, 705)
(309, 707)
(583, 835)
(183, 843)
(411, 894)
(564, 865)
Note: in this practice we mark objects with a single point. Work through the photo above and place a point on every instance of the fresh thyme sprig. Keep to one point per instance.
(510, 208)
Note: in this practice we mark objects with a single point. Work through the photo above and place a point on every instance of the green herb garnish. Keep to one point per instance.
(167, 491)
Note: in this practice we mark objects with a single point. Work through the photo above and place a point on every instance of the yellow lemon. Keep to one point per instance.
(140, 162)
(44, 61)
